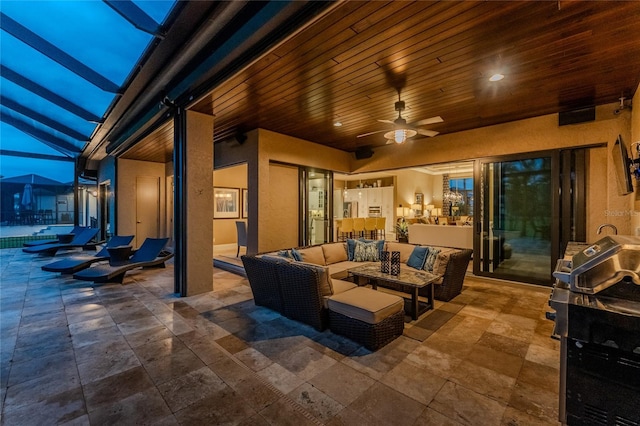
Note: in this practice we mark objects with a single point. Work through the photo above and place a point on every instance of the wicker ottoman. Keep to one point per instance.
(367, 316)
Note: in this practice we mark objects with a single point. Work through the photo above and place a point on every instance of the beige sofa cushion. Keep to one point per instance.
(324, 279)
(339, 286)
(313, 255)
(404, 249)
(440, 265)
(339, 270)
(334, 253)
(366, 305)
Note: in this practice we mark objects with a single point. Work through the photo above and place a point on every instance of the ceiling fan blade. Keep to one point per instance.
(425, 132)
(432, 120)
(386, 121)
(371, 133)
(389, 142)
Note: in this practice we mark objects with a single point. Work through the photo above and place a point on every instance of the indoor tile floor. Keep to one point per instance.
(77, 353)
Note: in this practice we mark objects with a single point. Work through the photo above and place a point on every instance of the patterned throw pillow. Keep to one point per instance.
(432, 255)
(380, 244)
(366, 252)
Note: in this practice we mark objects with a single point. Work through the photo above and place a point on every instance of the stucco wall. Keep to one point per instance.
(410, 182)
(259, 151)
(281, 212)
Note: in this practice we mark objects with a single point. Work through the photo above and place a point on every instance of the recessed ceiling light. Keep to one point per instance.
(337, 124)
(496, 77)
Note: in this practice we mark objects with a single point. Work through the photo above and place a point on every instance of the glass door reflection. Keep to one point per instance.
(516, 212)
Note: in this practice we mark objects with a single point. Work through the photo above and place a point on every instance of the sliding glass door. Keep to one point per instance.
(316, 210)
(515, 219)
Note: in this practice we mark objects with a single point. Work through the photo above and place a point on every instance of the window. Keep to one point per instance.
(463, 187)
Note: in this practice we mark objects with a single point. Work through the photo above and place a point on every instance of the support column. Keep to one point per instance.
(193, 202)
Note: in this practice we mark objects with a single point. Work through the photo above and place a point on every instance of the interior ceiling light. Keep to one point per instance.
(496, 77)
(337, 124)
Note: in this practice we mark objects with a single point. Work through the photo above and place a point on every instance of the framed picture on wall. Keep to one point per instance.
(419, 198)
(245, 202)
(226, 203)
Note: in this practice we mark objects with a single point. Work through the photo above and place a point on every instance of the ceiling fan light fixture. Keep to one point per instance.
(400, 135)
(496, 77)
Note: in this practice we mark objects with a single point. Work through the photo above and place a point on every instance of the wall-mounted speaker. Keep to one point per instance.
(363, 152)
(241, 138)
(576, 116)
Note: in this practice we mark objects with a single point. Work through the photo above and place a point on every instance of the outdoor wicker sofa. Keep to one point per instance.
(313, 290)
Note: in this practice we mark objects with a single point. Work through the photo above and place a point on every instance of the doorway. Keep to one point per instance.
(515, 228)
(147, 208)
(104, 213)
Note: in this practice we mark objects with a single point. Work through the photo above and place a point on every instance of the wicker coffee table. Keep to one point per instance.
(408, 278)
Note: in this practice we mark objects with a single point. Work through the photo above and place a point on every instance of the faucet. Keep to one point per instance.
(605, 225)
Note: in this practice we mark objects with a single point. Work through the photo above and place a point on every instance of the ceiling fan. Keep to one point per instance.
(401, 130)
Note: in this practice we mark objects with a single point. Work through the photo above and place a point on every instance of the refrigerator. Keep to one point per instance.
(350, 209)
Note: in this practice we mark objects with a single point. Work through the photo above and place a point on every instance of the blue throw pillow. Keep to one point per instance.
(351, 247)
(431, 258)
(418, 257)
(366, 252)
(296, 255)
(285, 253)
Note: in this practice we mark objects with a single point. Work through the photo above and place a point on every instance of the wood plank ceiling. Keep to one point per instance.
(556, 56)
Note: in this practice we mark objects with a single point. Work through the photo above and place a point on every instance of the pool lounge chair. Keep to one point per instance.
(83, 239)
(150, 254)
(76, 230)
(77, 263)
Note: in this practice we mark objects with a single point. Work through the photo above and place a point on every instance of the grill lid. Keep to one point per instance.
(602, 264)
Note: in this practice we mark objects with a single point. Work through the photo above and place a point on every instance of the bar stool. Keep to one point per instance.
(346, 228)
(358, 227)
(370, 227)
(381, 223)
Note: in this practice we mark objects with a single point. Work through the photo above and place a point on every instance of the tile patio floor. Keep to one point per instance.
(75, 353)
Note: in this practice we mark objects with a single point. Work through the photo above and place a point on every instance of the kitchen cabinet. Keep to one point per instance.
(387, 207)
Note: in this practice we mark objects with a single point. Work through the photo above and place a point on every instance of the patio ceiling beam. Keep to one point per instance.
(54, 53)
(47, 94)
(10, 153)
(136, 16)
(43, 119)
(48, 139)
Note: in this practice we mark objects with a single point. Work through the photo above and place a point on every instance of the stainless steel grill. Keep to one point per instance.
(601, 265)
(596, 299)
